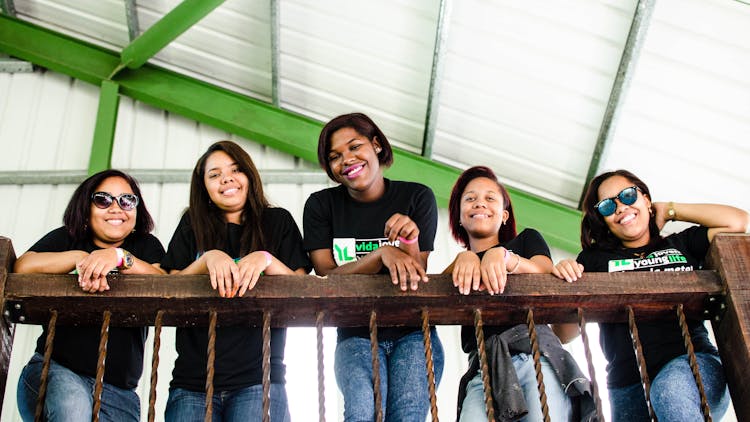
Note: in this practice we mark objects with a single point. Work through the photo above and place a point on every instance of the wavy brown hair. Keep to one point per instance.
(594, 230)
(507, 231)
(208, 221)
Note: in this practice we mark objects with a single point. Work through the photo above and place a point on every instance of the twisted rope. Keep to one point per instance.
(99, 383)
(641, 361)
(266, 366)
(537, 363)
(211, 356)
(48, 343)
(590, 363)
(321, 375)
(426, 337)
(375, 366)
(484, 367)
(155, 366)
(693, 363)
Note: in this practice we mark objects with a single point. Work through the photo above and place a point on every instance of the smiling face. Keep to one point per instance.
(629, 223)
(353, 160)
(226, 185)
(112, 225)
(482, 213)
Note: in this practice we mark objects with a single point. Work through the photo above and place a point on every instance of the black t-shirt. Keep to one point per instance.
(662, 341)
(77, 348)
(239, 354)
(352, 229)
(527, 244)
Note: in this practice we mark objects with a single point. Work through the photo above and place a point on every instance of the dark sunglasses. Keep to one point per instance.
(627, 196)
(126, 201)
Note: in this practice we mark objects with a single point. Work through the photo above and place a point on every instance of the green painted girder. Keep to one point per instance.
(279, 129)
(164, 31)
(104, 131)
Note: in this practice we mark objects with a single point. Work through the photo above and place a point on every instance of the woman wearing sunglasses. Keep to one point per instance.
(620, 232)
(371, 225)
(231, 233)
(106, 228)
(481, 218)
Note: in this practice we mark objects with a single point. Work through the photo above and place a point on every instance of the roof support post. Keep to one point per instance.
(436, 76)
(104, 131)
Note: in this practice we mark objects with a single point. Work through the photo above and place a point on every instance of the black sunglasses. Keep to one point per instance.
(126, 201)
(627, 196)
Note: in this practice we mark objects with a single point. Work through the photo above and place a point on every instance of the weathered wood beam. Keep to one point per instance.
(7, 258)
(730, 255)
(347, 300)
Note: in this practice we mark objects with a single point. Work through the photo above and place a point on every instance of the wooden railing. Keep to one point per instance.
(721, 295)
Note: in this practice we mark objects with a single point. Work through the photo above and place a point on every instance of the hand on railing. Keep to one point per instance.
(568, 270)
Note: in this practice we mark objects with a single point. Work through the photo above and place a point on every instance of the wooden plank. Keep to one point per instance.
(7, 259)
(730, 255)
(347, 300)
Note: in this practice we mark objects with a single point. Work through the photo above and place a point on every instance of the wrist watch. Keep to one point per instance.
(671, 214)
(127, 261)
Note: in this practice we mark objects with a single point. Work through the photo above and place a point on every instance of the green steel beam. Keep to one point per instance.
(283, 130)
(104, 131)
(171, 26)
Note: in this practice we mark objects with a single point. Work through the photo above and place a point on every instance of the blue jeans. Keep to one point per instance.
(244, 404)
(674, 395)
(403, 377)
(474, 409)
(69, 396)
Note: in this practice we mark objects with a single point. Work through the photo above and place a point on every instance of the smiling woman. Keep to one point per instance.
(369, 225)
(106, 229)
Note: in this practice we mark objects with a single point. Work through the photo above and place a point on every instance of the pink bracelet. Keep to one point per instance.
(407, 241)
(269, 257)
(120, 256)
(507, 254)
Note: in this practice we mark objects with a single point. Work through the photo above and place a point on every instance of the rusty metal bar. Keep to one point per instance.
(321, 373)
(590, 363)
(99, 381)
(155, 366)
(266, 366)
(641, 361)
(693, 363)
(537, 364)
(48, 346)
(483, 366)
(426, 337)
(211, 356)
(374, 350)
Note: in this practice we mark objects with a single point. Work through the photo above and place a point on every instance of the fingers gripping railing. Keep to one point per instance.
(347, 301)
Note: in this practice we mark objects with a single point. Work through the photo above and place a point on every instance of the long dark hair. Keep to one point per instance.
(594, 230)
(78, 212)
(507, 231)
(362, 125)
(208, 221)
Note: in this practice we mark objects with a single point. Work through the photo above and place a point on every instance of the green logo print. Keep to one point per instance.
(616, 265)
(343, 254)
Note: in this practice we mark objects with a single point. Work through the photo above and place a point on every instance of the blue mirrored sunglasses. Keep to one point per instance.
(126, 201)
(608, 206)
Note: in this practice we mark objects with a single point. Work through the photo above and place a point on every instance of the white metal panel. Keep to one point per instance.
(375, 57)
(230, 47)
(525, 88)
(684, 128)
(101, 22)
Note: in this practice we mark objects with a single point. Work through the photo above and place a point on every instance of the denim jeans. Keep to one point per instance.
(674, 395)
(403, 377)
(244, 404)
(69, 396)
(474, 408)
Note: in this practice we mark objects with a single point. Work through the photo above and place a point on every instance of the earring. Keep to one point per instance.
(377, 150)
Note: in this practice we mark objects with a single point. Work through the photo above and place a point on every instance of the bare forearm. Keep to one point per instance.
(48, 262)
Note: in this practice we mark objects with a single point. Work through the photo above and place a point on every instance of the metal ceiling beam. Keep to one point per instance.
(104, 130)
(169, 27)
(275, 52)
(436, 78)
(8, 8)
(131, 15)
(633, 44)
(249, 118)
(74, 177)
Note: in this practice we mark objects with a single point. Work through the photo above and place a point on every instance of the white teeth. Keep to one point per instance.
(115, 222)
(353, 171)
(230, 191)
(627, 218)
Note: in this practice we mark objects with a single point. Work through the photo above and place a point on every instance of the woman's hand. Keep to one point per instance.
(568, 270)
(400, 225)
(93, 270)
(466, 272)
(222, 271)
(493, 270)
(251, 267)
(402, 267)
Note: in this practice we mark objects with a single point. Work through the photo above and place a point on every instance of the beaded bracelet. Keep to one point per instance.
(518, 264)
